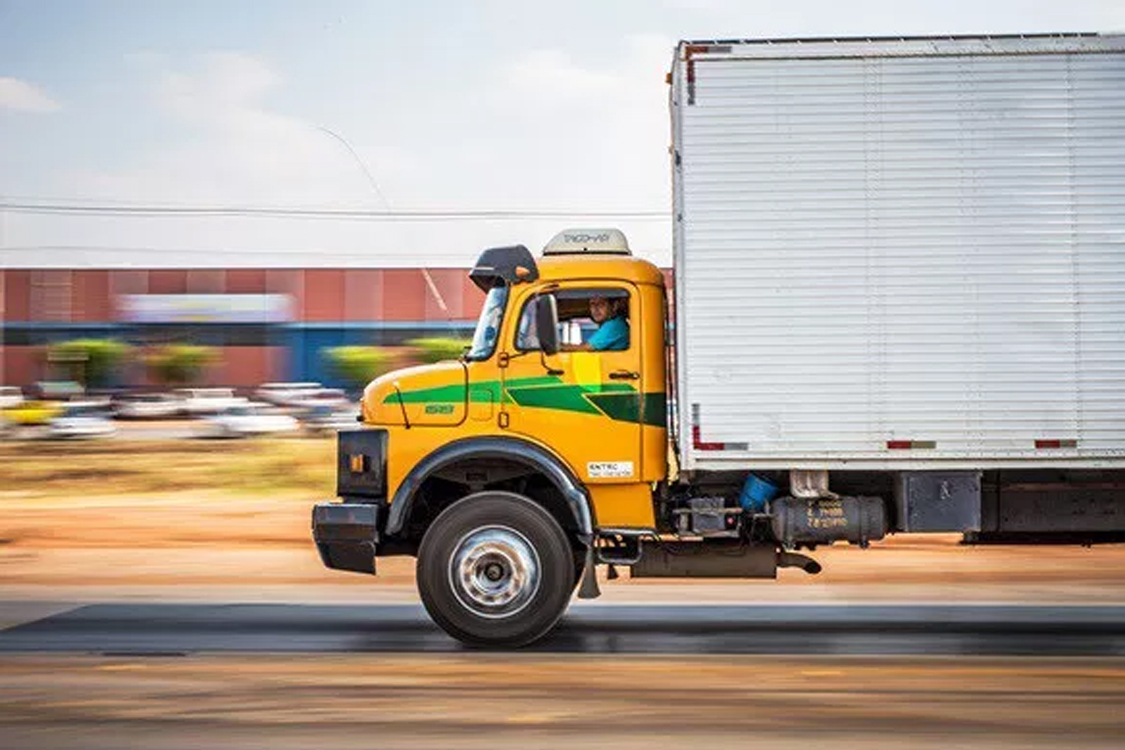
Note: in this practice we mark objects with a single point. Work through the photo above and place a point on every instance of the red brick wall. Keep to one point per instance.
(363, 293)
(206, 281)
(22, 365)
(471, 298)
(246, 281)
(17, 295)
(91, 302)
(447, 283)
(324, 295)
(167, 281)
(291, 282)
(50, 295)
(404, 295)
(128, 282)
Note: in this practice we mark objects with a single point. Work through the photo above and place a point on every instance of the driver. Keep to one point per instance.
(611, 315)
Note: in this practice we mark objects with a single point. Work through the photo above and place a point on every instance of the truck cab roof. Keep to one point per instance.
(572, 254)
(599, 266)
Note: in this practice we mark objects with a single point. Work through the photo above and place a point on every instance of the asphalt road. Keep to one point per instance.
(176, 676)
(803, 630)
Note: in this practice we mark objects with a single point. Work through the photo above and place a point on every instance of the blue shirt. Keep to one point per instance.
(612, 335)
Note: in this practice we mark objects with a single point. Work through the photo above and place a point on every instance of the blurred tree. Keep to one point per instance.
(439, 349)
(357, 365)
(91, 362)
(179, 364)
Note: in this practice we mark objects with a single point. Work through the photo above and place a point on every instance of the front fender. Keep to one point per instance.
(521, 451)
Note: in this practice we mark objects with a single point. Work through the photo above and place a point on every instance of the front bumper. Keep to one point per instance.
(346, 535)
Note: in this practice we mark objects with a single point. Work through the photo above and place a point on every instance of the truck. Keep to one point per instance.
(898, 307)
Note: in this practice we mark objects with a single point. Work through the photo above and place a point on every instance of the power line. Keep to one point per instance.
(272, 252)
(157, 211)
(362, 165)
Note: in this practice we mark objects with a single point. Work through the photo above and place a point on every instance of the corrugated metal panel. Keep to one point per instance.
(883, 248)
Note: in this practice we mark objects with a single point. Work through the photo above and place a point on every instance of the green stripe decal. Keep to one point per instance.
(456, 393)
(562, 397)
(656, 409)
(618, 401)
(624, 407)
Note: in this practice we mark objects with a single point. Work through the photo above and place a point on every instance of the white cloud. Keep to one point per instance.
(24, 97)
(230, 147)
(222, 81)
(553, 74)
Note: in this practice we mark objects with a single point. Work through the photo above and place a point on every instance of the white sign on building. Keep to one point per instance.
(205, 308)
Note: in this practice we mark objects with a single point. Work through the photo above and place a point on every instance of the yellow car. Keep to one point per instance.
(33, 413)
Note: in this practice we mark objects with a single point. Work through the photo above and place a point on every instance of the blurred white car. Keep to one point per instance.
(10, 396)
(81, 421)
(57, 390)
(148, 406)
(332, 398)
(251, 419)
(285, 394)
(330, 419)
(203, 401)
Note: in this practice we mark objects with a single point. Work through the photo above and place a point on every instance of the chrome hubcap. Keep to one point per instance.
(494, 571)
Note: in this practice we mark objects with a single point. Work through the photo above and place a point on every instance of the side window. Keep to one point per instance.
(589, 319)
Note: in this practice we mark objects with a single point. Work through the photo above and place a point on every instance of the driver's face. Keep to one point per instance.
(599, 309)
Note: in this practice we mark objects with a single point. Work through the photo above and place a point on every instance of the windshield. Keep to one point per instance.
(488, 326)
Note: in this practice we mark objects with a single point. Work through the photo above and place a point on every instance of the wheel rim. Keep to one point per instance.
(494, 571)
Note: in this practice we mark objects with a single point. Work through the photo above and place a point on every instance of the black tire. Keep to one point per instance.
(452, 547)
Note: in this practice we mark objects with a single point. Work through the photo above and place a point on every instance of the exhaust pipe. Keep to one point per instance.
(793, 560)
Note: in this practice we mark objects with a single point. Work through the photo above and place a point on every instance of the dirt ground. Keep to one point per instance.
(512, 700)
(215, 544)
(188, 520)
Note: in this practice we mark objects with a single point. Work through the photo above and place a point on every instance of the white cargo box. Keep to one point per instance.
(900, 253)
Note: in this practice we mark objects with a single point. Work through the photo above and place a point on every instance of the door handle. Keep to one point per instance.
(624, 375)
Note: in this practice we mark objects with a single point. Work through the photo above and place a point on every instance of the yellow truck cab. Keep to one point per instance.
(500, 471)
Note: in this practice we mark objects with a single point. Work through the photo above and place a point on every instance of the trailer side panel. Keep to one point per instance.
(901, 253)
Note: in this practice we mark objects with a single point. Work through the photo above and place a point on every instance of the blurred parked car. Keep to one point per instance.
(329, 419)
(285, 394)
(251, 419)
(10, 396)
(204, 401)
(32, 413)
(332, 398)
(81, 421)
(57, 390)
(147, 406)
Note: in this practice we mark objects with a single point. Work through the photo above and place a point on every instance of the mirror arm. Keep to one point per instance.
(550, 370)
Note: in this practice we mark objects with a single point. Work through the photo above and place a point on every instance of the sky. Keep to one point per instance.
(434, 105)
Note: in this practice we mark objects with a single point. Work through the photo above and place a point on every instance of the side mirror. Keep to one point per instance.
(547, 323)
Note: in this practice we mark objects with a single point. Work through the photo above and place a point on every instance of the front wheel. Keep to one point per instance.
(495, 569)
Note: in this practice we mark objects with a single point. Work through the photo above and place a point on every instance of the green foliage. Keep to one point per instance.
(439, 349)
(357, 365)
(179, 364)
(91, 362)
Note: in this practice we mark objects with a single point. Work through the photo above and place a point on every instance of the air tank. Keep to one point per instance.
(858, 520)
